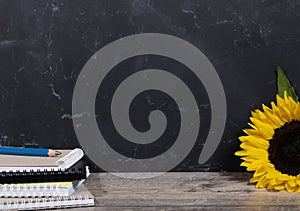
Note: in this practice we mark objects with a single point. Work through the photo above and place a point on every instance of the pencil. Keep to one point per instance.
(28, 151)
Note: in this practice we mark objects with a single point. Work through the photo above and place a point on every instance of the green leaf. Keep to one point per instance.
(283, 84)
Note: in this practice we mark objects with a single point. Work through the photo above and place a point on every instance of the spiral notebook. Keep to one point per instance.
(42, 189)
(38, 163)
(81, 198)
(48, 189)
(76, 172)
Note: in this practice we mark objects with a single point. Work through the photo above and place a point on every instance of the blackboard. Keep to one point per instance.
(46, 45)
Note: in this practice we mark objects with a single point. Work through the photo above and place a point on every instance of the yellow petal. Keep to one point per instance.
(292, 183)
(289, 188)
(275, 119)
(280, 101)
(257, 142)
(272, 174)
(241, 153)
(283, 177)
(262, 183)
(254, 165)
(265, 130)
(279, 187)
(258, 153)
(297, 112)
(297, 189)
(260, 171)
(252, 132)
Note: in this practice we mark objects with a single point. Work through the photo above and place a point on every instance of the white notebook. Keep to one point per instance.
(47, 189)
(38, 163)
(80, 198)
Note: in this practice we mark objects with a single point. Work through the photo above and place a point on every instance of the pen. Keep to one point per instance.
(28, 151)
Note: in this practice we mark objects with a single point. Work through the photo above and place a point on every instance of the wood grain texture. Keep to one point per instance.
(186, 191)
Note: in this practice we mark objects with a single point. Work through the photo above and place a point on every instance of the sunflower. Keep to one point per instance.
(271, 147)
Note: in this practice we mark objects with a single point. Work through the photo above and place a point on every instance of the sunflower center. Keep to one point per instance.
(284, 149)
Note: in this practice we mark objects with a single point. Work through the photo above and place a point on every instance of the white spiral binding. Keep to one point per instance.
(35, 190)
(45, 203)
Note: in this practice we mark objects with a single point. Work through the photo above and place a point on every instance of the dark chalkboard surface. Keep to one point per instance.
(46, 45)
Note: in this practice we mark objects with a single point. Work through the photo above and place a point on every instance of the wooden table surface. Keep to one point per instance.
(186, 191)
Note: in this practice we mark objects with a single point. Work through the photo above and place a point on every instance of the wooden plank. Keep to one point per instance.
(187, 190)
(124, 208)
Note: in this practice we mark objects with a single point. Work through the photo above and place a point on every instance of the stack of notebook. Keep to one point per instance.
(34, 182)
